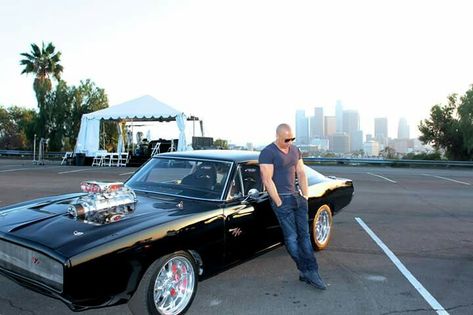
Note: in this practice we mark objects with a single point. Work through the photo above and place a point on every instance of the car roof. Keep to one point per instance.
(226, 155)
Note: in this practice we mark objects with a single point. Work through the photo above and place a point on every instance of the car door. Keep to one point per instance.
(267, 226)
(250, 224)
(240, 228)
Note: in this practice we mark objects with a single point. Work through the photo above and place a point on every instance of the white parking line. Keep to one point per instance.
(389, 180)
(126, 173)
(452, 180)
(406, 273)
(74, 171)
(16, 169)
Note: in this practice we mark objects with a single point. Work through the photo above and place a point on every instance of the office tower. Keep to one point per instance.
(356, 140)
(371, 148)
(381, 131)
(330, 125)
(340, 143)
(317, 124)
(339, 115)
(403, 129)
(351, 121)
(302, 127)
(369, 137)
(351, 126)
(380, 127)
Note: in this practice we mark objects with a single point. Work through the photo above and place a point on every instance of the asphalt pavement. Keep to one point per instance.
(403, 246)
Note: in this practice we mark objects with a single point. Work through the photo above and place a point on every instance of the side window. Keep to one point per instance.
(251, 178)
(236, 186)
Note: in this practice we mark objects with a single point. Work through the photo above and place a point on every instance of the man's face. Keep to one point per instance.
(285, 138)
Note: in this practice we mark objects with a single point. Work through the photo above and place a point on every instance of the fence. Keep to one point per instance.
(391, 163)
(307, 160)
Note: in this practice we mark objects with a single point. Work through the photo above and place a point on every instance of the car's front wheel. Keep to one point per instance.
(322, 227)
(168, 286)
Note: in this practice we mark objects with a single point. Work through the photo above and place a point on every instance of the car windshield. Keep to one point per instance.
(203, 179)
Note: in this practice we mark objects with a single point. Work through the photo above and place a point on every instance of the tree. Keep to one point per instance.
(444, 129)
(44, 64)
(465, 111)
(59, 102)
(221, 144)
(16, 127)
(86, 98)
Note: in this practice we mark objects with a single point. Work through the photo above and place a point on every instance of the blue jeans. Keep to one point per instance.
(293, 218)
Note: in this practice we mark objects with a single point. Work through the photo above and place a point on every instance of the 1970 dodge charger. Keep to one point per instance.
(183, 216)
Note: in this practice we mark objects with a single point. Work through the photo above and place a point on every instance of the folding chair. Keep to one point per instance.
(122, 159)
(156, 149)
(66, 157)
(98, 159)
(114, 157)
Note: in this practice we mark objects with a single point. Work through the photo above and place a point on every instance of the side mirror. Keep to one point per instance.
(253, 195)
(253, 192)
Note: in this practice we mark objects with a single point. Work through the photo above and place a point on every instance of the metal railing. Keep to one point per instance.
(385, 162)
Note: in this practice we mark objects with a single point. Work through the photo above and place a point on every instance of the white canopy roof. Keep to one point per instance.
(142, 108)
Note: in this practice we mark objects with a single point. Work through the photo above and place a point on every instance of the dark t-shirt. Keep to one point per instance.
(284, 174)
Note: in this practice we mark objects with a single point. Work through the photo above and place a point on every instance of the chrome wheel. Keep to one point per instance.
(322, 227)
(174, 286)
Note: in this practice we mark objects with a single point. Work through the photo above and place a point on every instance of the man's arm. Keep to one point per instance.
(267, 177)
(302, 178)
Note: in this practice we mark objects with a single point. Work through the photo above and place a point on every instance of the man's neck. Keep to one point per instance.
(285, 150)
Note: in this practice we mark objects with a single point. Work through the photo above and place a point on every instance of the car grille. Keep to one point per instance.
(31, 264)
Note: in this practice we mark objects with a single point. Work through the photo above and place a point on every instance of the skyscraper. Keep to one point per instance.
(339, 115)
(403, 129)
(330, 125)
(302, 127)
(317, 124)
(351, 126)
(380, 128)
(381, 131)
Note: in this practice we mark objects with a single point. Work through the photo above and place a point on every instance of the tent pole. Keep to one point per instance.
(132, 139)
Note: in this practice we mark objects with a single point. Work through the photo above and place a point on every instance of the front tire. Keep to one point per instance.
(168, 286)
(322, 228)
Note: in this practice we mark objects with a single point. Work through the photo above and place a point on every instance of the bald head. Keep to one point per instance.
(282, 129)
(284, 136)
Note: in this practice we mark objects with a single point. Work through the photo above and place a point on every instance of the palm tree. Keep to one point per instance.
(44, 63)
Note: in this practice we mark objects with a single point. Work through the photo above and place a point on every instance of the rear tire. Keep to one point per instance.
(322, 228)
(167, 287)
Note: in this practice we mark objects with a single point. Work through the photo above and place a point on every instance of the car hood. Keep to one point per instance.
(47, 222)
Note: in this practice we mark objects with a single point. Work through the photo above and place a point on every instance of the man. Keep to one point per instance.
(279, 163)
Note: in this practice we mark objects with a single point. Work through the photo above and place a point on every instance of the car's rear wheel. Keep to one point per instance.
(168, 286)
(322, 227)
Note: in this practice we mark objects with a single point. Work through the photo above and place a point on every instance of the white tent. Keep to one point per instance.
(145, 108)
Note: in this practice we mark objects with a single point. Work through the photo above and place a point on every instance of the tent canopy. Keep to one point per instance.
(145, 108)
(142, 108)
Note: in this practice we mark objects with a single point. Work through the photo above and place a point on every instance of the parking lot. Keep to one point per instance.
(403, 246)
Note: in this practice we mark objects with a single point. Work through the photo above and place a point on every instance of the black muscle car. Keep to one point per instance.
(182, 217)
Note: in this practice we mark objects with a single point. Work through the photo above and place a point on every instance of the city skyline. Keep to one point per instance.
(350, 137)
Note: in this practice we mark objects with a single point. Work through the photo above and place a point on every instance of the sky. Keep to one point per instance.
(243, 66)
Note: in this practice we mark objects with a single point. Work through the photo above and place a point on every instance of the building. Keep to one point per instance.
(339, 116)
(371, 148)
(317, 124)
(356, 141)
(381, 131)
(351, 126)
(403, 129)
(302, 127)
(330, 125)
(340, 143)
